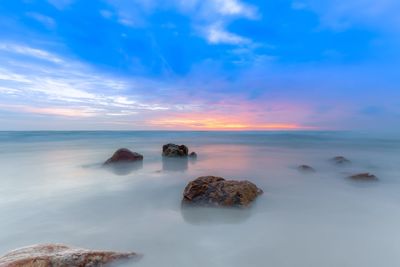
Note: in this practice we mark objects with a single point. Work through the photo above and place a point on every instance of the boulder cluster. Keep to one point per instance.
(342, 161)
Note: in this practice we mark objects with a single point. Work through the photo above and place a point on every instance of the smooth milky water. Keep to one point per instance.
(54, 190)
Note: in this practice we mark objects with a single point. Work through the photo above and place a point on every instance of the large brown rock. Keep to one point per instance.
(172, 150)
(57, 255)
(124, 155)
(216, 191)
(363, 177)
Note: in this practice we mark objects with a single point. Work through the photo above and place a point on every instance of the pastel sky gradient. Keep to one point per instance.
(200, 65)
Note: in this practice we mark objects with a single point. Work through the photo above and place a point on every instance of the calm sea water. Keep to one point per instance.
(53, 189)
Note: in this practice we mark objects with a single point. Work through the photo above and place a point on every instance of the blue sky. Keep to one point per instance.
(199, 64)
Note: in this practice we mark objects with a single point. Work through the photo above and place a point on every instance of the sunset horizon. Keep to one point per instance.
(193, 133)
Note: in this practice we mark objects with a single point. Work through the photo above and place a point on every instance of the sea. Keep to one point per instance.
(55, 189)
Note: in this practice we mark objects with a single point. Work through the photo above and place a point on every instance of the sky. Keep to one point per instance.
(200, 65)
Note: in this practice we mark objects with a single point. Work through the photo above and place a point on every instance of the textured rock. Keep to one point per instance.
(363, 177)
(305, 168)
(124, 155)
(340, 160)
(216, 191)
(57, 255)
(172, 150)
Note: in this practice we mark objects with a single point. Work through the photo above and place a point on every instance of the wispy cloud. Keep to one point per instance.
(211, 16)
(30, 52)
(235, 7)
(45, 20)
(216, 34)
(340, 15)
(74, 88)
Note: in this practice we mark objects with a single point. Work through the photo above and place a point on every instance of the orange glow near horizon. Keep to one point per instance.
(222, 124)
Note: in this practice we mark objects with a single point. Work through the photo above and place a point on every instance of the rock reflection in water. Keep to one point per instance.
(124, 168)
(175, 164)
(214, 215)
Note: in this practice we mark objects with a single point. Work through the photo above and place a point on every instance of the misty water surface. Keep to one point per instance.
(53, 189)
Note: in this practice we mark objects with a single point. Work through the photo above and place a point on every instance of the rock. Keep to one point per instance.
(340, 160)
(216, 191)
(363, 177)
(57, 255)
(124, 155)
(172, 150)
(305, 168)
(193, 155)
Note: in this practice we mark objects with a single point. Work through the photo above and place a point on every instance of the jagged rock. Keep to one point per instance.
(57, 255)
(305, 168)
(216, 191)
(363, 177)
(193, 155)
(172, 150)
(340, 160)
(124, 155)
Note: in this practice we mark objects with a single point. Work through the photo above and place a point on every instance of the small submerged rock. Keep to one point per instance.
(172, 150)
(305, 168)
(340, 160)
(216, 191)
(57, 255)
(193, 155)
(363, 177)
(124, 155)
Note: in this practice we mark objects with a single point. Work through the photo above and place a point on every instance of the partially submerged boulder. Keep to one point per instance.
(363, 177)
(172, 150)
(124, 155)
(57, 255)
(216, 191)
(340, 160)
(305, 168)
(193, 155)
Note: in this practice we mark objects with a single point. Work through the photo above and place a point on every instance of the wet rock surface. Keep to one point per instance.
(193, 155)
(363, 177)
(172, 150)
(305, 168)
(340, 160)
(124, 155)
(216, 191)
(58, 255)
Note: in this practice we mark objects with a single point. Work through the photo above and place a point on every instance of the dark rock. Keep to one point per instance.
(57, 255)
(172, 150)
(124, 155)
(216, 191)
(305, 168)
(340, 160)
(363, 177)
(193, 155)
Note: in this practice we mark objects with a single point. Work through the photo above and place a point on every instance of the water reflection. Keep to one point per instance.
(124, 168)
(175, 164)
(214, 215)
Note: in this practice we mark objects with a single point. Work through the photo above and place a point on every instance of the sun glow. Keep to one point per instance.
(222, 124)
